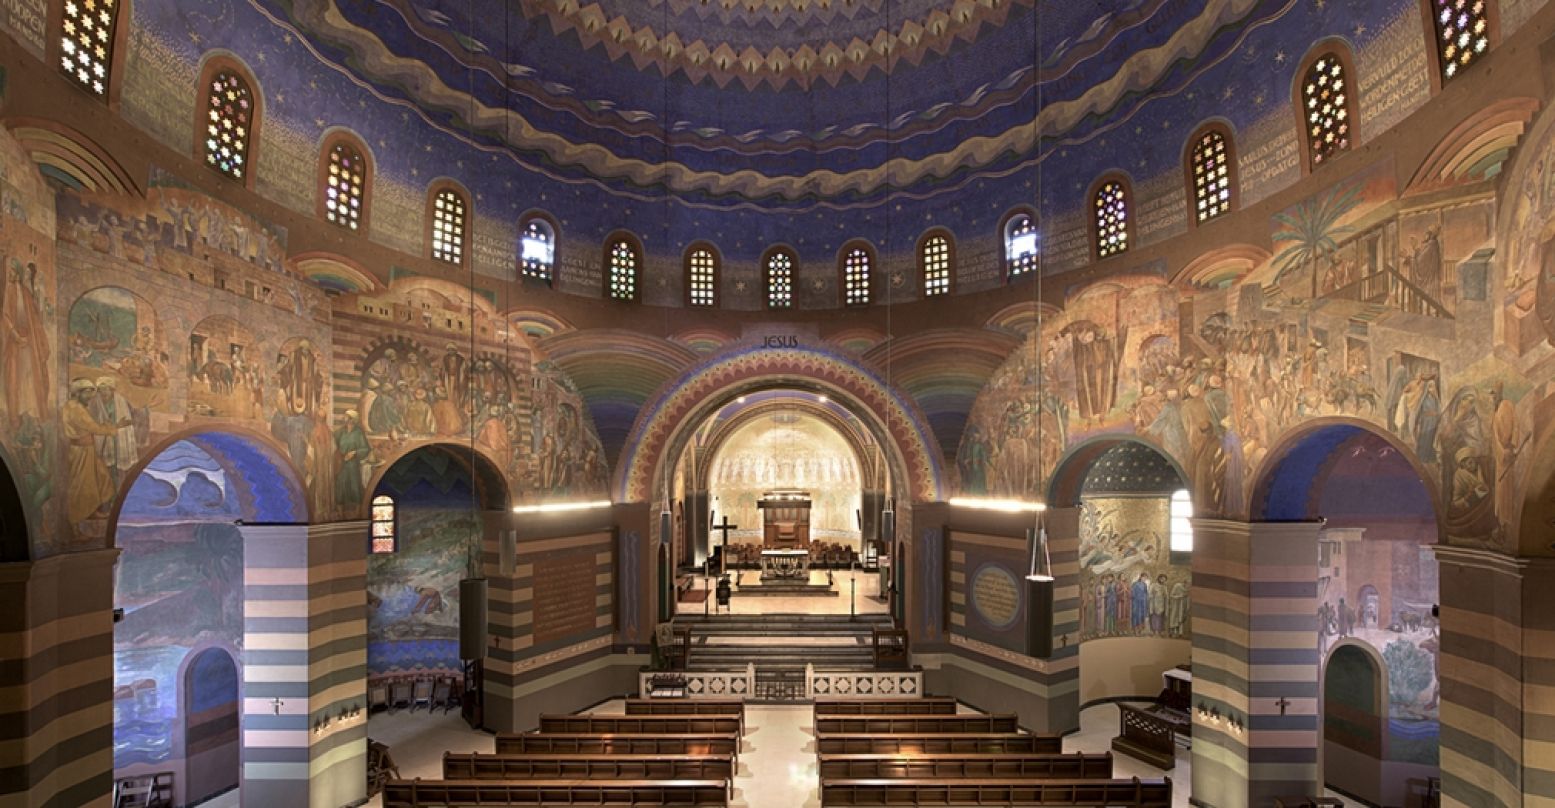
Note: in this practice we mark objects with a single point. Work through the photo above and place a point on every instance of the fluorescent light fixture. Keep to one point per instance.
(1005, 505)
(1023, 245)
(559, 507)
(537, 249)
(1040, 578)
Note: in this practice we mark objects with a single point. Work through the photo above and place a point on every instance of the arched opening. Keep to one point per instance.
(1377, 588)
(1354, 703)
(14, 542)
(1134, 583)
(442, 497)
(786, 469)
(180, 582)
(211, 712)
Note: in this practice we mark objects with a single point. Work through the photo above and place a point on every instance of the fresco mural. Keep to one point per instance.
(1128, 585)
(1378, 582)
(180, 582)
(413, 593)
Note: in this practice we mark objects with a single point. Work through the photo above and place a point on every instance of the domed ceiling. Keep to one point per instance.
(786, 103)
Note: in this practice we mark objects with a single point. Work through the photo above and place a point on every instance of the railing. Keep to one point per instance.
(702, 684)
(862, 684)
(1148, 736)
(1388, 287)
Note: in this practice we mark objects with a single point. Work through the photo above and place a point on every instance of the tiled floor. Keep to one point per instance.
(860, 589)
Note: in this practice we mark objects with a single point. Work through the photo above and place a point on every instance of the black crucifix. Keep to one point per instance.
(723, 544)
(1283, 703)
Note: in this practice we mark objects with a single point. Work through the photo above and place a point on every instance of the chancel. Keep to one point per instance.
(779, 403)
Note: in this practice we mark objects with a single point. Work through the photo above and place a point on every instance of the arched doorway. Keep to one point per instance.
(1135, 571)
(1354, 709)
(1377, 587)
(180, 582)
(211, 713)
(430, 511)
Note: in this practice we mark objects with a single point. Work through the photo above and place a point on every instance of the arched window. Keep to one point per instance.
(1463, 30)
(1211, 173)
(1020, 245)
(1182, 528)
(449, 214)
(701, 275)
(230, 115)
(86, 43)
(934, 262)
(779, 265)
(623, 268)
(1109, 207)
(858, 264)
(1327, 114)
(384, 526)
(537, 249)
(344, 177)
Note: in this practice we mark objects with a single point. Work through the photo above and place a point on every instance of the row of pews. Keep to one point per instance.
(923, 751)
(659, 753)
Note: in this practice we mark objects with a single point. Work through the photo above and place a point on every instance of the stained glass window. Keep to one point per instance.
(449, 213)
(345, 185)
(1111, 219)
(86, 42)
(855, 277)
(1211, 175)
(229, 124)
(1326, 105)
(936, 265)
(623, 270)
(780, 280)
(702, 277)
(537, 249)
(383, 524)
(1020, 245)
(1462, 33)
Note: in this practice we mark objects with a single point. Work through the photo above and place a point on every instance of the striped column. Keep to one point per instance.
(1255, 661)
(1063, 536)
(1485, 626)
(337, 663)
(56, 681)
(276, 726)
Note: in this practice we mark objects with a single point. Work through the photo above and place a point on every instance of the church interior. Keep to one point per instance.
(443, 403)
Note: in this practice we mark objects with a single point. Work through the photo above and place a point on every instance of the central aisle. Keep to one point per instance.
(777, 761)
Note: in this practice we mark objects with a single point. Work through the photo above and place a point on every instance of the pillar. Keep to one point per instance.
(56, 680)
(1487, 677)
(304, 661)
(1255, 662)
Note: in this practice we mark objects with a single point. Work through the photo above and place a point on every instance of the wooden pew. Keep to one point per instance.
(587, 767)
(928, 705)
(940, 744)
(636, 706)
(914, 724)
(966, 766)
(424, 793)
(642, 724)
(608, 744)
(1135, 793)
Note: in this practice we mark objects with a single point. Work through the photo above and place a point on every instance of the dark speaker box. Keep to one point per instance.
(472, 618)
(1039, 617)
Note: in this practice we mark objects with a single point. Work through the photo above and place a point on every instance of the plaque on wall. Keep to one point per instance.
(564, 600)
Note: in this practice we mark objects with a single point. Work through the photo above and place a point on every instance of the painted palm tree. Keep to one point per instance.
(1311, 230)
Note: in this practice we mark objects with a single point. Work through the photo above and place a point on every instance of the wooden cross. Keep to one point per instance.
(1283, 703)
(276, 703)
(723, 542)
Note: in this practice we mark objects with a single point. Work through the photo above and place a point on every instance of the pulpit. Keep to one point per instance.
(785, 517)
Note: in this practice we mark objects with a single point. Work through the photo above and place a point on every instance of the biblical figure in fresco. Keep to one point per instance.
(91, 484)
(24, 346)
(1096, 360)
(351, 444)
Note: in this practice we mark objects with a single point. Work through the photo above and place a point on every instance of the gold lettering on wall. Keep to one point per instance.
(564, 595)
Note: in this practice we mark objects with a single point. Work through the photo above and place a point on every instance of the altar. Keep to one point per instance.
(785, 565)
